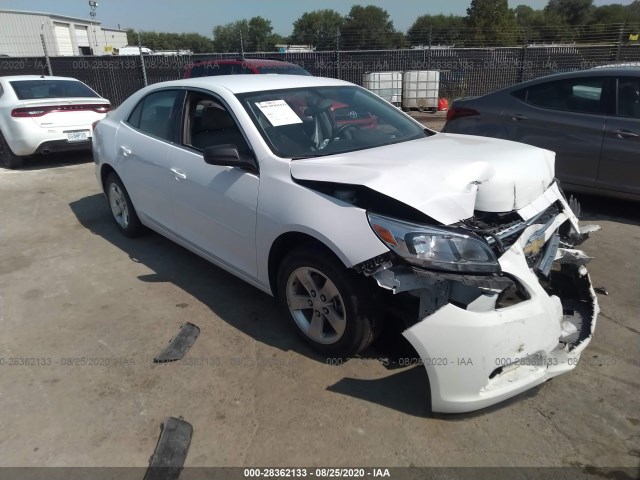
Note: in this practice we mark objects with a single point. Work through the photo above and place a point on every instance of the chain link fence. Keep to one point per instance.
(463, 71)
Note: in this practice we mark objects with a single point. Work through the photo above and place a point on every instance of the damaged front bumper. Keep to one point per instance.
(483, 339)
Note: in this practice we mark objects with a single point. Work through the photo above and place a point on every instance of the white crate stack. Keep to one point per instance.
(420, 90)
(413, 90)
(387, 85)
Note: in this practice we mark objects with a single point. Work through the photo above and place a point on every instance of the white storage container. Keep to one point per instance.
(420, 89)
(387, 85)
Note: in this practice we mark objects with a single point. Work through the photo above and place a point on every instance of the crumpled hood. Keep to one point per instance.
(445, 176)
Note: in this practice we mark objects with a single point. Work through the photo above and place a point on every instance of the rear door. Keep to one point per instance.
(566, 116)
(620, 163)
(143, 142)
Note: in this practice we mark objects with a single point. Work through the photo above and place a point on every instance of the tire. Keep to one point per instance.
(330, 307)
(121, 207)
(7, 158)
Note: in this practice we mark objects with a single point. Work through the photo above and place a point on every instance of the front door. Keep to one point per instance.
(620, 162)
(215, 205)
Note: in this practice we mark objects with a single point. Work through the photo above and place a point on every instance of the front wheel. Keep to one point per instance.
(121, 207)
(331, 307)
(8, 159)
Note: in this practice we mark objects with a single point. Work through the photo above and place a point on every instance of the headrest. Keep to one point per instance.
(214, 118)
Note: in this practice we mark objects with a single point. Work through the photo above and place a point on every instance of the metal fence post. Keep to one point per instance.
(46, 55)
(620, 37)
(338, 73)
(430, 40)
(144, 70)
(523, 57)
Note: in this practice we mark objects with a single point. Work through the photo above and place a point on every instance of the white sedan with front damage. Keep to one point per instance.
(469, 238)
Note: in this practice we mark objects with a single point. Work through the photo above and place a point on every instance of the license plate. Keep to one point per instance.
(77, 136)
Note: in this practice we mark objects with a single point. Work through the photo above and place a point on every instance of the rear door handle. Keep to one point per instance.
(518, 116)
(623, 133)
(125, 151)
(179, 174)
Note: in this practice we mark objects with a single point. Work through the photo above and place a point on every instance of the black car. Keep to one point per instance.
(590, 118)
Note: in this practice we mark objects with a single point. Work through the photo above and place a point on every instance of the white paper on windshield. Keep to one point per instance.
(278, 112)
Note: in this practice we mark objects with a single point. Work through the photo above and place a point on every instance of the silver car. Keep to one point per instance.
(590, 118)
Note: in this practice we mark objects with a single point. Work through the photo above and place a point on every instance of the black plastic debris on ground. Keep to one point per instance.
(171, 450)
(179, 345)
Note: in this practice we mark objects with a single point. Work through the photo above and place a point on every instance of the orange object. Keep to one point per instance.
(443, 104)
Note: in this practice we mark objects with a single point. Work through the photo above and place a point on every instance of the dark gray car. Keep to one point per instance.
(590, 118)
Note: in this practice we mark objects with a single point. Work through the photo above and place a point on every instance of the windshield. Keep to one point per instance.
(318, 121)
(33, 89)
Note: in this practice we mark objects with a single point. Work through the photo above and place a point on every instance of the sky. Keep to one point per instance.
(202, 15)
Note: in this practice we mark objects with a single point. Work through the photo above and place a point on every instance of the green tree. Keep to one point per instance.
(318, 28)
(608, 14)
(572, 12)
(538, 26)
(226, 38)
(437, 29)
(248, 35)
(276, 39)
(258, 35)
(132, 37)
(170, 41)
(368, 28)
(492, 23)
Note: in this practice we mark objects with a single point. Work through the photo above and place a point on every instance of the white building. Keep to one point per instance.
(20, 35)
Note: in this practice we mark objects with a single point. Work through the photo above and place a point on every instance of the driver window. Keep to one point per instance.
(629, 97)
(209, 124)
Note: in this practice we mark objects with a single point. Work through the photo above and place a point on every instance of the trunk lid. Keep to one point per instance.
(65, 112)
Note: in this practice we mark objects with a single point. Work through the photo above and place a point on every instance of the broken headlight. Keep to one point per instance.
(435, 247)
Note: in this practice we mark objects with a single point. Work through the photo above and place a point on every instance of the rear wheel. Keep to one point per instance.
(7, 158)
(121, 207)
(330, 307)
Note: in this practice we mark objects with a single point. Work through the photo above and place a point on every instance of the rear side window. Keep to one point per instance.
(629, 97)
(212, 69)
(580, 95)
(155, 113)
(35, 89)
(284, 70)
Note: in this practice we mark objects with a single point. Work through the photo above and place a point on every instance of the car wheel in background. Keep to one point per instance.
(7, 158)
(121, 207)
(330, 307)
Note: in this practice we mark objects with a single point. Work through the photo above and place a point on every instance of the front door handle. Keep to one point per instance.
(518, 116)
(623, 133)
(179, 174)
(125, 151)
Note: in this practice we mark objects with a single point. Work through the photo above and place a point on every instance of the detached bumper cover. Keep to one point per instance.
(480, 355)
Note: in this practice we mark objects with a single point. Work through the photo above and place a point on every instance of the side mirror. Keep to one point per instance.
(227, 156)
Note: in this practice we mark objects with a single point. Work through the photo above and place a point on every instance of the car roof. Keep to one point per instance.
(593, 72)
(252, 62)
(601, 71)
(257, 83)
(35, 77)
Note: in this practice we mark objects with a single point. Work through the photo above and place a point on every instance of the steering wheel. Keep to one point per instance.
(342, 129)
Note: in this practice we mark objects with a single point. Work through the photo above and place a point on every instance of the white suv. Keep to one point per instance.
(41, 114)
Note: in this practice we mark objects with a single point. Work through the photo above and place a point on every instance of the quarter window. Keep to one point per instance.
(581, 95)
